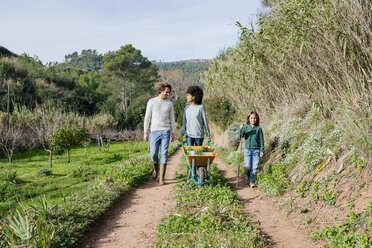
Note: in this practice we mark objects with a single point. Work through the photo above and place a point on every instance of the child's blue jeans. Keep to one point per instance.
(251, 161)
(194, 141)
(159, 138)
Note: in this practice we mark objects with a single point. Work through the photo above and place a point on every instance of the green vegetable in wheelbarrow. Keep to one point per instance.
(207, 149)
(189, 151)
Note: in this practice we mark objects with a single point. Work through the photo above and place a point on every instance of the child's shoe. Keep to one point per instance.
(252, 185)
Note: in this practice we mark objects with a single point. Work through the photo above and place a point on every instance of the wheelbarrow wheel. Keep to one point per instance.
(201, 175)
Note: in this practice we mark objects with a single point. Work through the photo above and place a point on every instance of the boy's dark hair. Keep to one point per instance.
(257, 117)
(196, 92)
(162, 87)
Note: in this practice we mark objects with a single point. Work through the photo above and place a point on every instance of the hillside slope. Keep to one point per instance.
(307, 71)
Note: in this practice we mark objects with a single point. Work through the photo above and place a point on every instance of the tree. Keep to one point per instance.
(177, 79)
(10, 139)
(30, 142)
(268, 3)
(45, 128)
(97, 125)
(128, 75)
(68, 137)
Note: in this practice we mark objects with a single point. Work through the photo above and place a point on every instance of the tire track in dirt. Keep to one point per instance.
(134, 220)
(273, 223)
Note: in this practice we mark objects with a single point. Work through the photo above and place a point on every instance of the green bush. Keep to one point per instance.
(273, 181)
(233, 135)
(179, 108)
(8, 176)
(220, 111)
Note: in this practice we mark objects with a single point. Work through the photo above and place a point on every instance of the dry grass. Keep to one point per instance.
(309, 52)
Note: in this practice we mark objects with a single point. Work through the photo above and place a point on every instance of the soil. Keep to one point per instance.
(134, 220)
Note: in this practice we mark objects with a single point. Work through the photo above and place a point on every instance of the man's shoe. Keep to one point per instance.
(162, 173)
(252, 185)
(155, 172)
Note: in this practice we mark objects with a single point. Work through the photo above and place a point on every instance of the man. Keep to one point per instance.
(160, 116)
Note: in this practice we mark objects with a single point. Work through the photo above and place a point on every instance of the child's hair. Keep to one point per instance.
(196, 92)
(162, 87)
(257, 117)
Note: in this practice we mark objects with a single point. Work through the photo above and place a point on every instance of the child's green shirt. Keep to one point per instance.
(253, 137)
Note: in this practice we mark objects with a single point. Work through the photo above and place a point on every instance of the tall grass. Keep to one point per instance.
(318, 52)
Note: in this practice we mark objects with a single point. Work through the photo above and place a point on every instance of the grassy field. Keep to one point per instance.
(56, 210)
(65, 178)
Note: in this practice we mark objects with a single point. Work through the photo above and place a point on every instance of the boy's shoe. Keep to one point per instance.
(252, 185)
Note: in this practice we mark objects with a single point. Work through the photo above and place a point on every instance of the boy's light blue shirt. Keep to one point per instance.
(194, 122)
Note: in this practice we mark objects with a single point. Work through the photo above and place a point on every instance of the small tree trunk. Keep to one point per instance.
(130, 96)
(50, 158)
(123, 102)
(8, 108)
(11, 157)
(99, 148)
(68, 155)
(102, 144)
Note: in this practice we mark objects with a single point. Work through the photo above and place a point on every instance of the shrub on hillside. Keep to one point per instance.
(233, 135)
(179, 107)
(219, 111)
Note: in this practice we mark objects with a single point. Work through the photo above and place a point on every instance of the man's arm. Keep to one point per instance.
(147, 120)
(172, 120)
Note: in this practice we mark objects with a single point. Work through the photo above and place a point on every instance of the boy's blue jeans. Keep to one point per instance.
(194, 141)
(159, 138)
(251, 161)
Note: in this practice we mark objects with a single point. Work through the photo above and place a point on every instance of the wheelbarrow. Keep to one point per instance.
(198, 164)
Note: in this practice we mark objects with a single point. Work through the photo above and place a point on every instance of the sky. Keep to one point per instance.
(164, 30)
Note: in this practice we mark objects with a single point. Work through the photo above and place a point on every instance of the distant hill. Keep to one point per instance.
(90, 60)
(4, 52)
(191, 68)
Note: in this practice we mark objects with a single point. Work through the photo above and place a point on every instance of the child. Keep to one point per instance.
(194, 118)
(254, 145)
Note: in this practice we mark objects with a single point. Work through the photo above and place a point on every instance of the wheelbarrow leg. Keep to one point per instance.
(200, 175)
(208, 167)
(193, 168)
(188, 173)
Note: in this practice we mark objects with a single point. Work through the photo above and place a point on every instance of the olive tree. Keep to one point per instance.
(67, 137)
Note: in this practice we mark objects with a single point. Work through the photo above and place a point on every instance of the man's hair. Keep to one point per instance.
(162, 87)
(196, 92)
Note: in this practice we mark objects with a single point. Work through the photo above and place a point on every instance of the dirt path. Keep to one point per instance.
(134, 221)
(281, 231)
